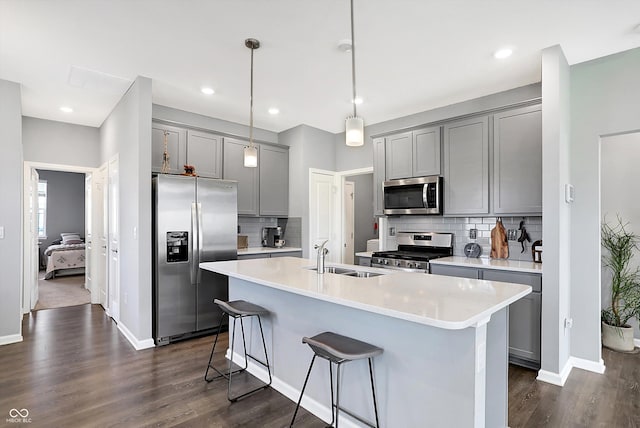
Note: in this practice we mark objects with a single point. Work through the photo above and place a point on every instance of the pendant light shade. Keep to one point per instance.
(354, 131)
(250, 151)
(354, 125)
(251, 156)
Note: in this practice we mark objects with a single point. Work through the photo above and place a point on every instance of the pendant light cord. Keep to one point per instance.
(353, 64)
(251, 104)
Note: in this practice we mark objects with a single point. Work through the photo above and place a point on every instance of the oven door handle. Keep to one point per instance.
(399, 268)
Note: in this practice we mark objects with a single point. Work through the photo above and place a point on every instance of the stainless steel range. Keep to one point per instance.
(415, 249)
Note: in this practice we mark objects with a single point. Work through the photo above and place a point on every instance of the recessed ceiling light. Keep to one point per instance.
(274, 110)
(357, 100)
(207, 91)
(503, 53)
(66, 109)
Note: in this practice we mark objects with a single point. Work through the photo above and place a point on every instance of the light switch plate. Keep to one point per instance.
(473, 233)
(1, 232)
(569, 193)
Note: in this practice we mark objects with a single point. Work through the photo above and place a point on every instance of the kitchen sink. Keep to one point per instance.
(348, 271)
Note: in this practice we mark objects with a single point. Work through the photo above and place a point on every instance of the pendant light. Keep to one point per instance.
(354, 125)
(251, 151)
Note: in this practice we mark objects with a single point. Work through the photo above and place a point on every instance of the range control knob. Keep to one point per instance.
(397, 263)
(386, 262)
(410, 265)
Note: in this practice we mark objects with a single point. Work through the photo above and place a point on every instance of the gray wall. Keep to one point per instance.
(60, 143)
(10, 211)
(181, 117)
(604, 101)
(308, 148)
(620, 157)
(127, 133)
(556, 213)
(65, 204)
(363, 210)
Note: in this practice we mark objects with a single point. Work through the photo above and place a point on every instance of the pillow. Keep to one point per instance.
(69, 233)
(71, 239)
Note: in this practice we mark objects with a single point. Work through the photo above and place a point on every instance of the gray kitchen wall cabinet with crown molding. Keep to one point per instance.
(247, 178)
(413, 154)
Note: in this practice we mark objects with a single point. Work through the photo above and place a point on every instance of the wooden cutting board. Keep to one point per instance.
(499, 243)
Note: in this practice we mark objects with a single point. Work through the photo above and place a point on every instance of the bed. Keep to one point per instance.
(66, 258)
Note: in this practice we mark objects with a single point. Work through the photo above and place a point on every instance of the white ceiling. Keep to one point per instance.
(411, 55)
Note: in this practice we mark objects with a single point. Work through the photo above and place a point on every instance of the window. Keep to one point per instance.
(42, 209)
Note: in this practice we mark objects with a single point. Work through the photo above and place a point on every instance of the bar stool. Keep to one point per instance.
(339, 349)
(239, 309)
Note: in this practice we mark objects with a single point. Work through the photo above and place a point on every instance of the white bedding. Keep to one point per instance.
(65, 258)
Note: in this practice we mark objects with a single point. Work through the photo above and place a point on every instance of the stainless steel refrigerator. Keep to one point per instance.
(194, 220)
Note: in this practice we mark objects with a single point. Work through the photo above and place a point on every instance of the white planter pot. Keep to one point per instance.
(617, 338)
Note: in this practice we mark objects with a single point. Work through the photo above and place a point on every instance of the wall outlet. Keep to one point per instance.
(1, 232)
(473, 233)
(392, 231)
(568, 322)
(512, 234)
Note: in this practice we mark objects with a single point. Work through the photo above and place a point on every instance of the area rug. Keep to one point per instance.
(62, 291)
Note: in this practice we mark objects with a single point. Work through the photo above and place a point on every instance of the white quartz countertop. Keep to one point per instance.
(487, 263)
(267, 250)
(439, 301)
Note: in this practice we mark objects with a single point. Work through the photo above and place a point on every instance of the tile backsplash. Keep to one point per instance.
(461, 226)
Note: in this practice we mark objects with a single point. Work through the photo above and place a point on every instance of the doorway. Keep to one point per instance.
(359, 224)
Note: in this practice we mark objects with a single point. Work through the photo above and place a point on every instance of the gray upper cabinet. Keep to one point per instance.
(247, 178)
(466, 167)
(204, 151)
(274, 181)
(413, 154)
(378, 175)
(399, 156)
(176, 148)
(517, 161)
(426, 152)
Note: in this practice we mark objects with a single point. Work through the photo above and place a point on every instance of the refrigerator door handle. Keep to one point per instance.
(194, 243)
(200, 242)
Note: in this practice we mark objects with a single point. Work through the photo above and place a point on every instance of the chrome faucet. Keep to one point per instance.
(322, 252)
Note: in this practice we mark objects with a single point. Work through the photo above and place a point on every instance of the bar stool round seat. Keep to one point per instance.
(239, 309)
(338, 349)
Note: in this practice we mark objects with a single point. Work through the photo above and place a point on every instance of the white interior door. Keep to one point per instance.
(100, 234)
(321, 213)
(114, 241)
(348, 246)
(34, 258)
(88, 234)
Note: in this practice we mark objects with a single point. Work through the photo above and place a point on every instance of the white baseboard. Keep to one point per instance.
(636, 342)
(556, 378)
(592, 366)
(12, 338)
(318, 409)
(137, 344)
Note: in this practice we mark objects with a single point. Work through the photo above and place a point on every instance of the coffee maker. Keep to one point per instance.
(272, 237)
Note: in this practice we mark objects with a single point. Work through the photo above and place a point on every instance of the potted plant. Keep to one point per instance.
(620, 244)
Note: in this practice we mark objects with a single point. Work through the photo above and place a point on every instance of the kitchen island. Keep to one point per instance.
(445, 339)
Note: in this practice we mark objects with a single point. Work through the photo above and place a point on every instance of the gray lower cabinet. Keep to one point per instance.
(517, 161)
(247, 178)
(204, 152)
(466, 167)
(524, 314)
(524, 317)
(461, 272)
(413, 154)
(176, 148)
(378, 175)
(269, 255)
(288, 254)
(274, 181)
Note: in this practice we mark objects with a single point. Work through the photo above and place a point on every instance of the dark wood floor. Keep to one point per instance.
(74, 369)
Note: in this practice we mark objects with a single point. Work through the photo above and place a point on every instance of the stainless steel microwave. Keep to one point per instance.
(421, 195)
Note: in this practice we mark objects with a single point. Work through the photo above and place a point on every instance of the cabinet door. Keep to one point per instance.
(204, 151)
(461, 272)
(531, 279)
(466, 167)
(247, 178)
(517, 161)
(274, 181)
(399, 156)
(378, 175)
(426, 152)
(176, 147)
